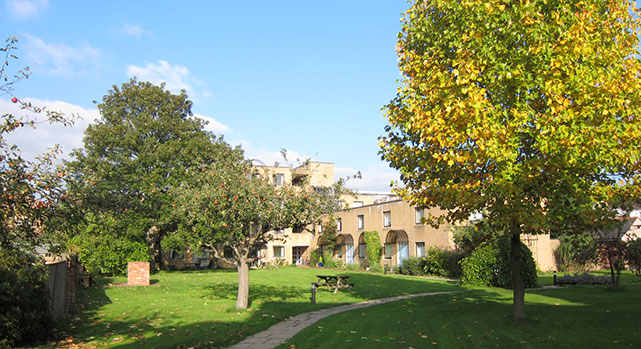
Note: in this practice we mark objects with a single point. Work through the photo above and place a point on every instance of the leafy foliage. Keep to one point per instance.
(30, 191)
(577, 252)
(142, 146)
(633, 256)
(526, 111)
(489, 265)
(24, 299)
(373, 247)
(231, 203)
(436, 262)
(411, 266)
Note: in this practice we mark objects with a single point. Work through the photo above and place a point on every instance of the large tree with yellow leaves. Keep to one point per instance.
(527, 111)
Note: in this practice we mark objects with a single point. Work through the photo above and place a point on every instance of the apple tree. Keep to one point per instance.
(234, 205)
(526, 111)
(138, 150)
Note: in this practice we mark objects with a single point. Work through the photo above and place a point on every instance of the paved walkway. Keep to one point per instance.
(282, 331)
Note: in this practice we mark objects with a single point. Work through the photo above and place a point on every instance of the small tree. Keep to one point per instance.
(30, 195)
(230, 204)
(374, 249)
(633, 257)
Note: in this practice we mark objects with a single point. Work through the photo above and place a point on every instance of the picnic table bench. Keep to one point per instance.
(333, 282)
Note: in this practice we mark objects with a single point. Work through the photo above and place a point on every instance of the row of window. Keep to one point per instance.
(419, 214)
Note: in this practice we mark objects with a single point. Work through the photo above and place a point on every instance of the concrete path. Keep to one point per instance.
(282, 331)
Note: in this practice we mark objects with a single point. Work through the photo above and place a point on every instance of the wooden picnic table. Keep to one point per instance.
(333, 281)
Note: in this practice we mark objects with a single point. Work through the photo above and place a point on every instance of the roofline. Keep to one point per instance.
(370, 205)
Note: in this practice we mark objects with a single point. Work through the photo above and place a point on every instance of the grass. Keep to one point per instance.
(197, 308)
(589, 316)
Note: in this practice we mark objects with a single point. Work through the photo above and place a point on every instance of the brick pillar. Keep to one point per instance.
(138, 273)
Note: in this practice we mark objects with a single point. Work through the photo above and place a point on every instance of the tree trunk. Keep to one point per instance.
(518, 301)
(615, 283)
(153, 245)
(243, 284)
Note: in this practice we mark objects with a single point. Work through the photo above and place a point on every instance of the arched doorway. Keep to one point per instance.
(345, 245)
(397, 244)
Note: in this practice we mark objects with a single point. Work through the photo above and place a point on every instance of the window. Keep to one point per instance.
(279, 179)
(339, 224)
(297, 229)
(387, 219)
(319, 228)
(420, 249)
(362, 250)
(361, 221)
(228, 252)
(419, 213)
(357, 204)
(389, 251)
(279, 251)
(176, 255)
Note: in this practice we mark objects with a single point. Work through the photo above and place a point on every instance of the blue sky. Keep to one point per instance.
(307, 76)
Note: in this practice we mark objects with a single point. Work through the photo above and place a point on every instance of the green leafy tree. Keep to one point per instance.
(141, 147)
(233, 205)
(527, 111)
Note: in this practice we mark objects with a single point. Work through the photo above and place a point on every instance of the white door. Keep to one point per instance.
(349, 254)
(403, 252)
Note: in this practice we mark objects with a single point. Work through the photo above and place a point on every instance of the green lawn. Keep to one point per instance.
(589, 316)
(197, 308)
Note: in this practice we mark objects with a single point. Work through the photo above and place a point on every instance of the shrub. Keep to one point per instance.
(633, 256)
(314, 257)
(577, 252)
(435, 263)
(24, 299)
(328, 259)
(376, 268)
(411, 266)
(373, 245)
(583, 279)
(490, 265)
(352, 267)
(107, 255)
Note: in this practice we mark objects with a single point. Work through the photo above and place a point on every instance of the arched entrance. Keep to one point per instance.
(397, 243)
(345, 245)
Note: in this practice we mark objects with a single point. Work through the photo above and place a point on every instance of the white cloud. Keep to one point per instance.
(45, 136)
(268, 157)
(176, 77)
(60, 59)
(134, 30)
(376, 178)
(213, 125)
(23, 9)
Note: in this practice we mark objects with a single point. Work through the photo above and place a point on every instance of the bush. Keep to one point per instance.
(583, 279)
(435, 263)
(24, 299)
(328, 259)
(108, 255)
(490, 265)
(633, 255)
(376, 268)
(314, 257)
(352, 267)
(411, 266)
(374, 249)
(577, 252)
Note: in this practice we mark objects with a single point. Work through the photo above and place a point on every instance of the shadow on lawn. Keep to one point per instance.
(270, 304)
